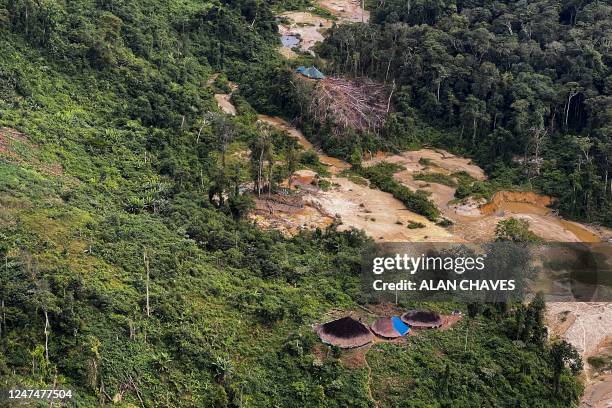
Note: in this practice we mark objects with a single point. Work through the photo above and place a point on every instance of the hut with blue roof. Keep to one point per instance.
(390, 327)
(311, 72)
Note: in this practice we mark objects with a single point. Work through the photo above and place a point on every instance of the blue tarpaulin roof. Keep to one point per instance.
(401, 327)
(311, 72)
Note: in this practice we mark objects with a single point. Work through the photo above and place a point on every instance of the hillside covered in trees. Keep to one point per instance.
(522, 86)
(128, 271)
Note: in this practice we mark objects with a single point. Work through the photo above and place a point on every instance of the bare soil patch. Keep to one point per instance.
(475, 221)
(598, 394)
(225, 104)
(588, 327)
(309, 28)
(355, 358)
(346, 10)
(289, 216)
(590, 324)
(379, 214)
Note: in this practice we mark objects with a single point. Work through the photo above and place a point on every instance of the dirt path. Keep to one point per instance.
(224, 101)
(225, 104)
(370, 394)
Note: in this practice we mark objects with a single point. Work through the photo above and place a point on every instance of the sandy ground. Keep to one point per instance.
(441, 162)
(225, 104)
(307, 26)
(346, 10)
(473, 223)
(587, 326)
(379, 214)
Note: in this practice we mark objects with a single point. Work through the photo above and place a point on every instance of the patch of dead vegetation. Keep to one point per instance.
(288, 214)
(361, 105)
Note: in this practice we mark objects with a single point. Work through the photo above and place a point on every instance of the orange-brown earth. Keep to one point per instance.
(353, 203)
(475, 220)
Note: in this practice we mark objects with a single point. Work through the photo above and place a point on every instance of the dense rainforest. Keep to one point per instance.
(128, 273)
(522, 86)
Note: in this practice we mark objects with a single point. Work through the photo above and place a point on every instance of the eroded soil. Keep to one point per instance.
(587, 326)
(308, 27)
(475, 221)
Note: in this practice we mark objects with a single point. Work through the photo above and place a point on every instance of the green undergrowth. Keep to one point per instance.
(381, 176)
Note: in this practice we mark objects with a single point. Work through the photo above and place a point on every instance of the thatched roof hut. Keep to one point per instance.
(422, 319)
(390, 327)
(344, 333)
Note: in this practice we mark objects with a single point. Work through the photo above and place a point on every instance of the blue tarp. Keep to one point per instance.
(311, 72)
(401, 327)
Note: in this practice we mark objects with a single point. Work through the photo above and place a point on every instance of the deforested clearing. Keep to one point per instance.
(358, 104)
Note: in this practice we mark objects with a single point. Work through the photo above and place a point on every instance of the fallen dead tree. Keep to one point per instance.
(361, 104)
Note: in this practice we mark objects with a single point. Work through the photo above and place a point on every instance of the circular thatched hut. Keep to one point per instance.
(344, 333)
(422, 319)
(390, 327)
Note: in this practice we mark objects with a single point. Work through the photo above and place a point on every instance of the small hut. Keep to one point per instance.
(311, 72)
(344, 333)
(390, 327)
(422, 319)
